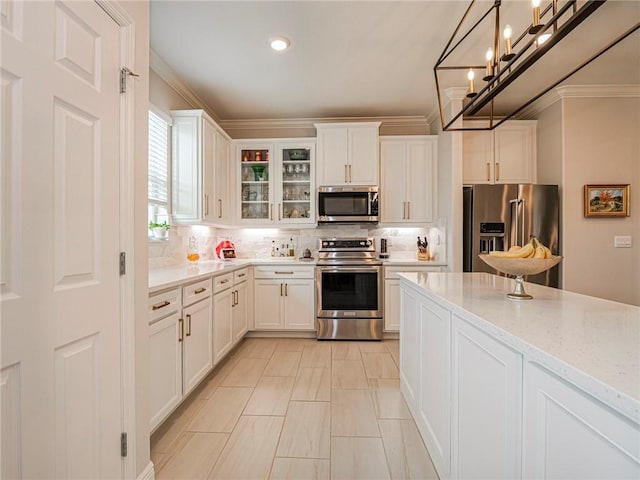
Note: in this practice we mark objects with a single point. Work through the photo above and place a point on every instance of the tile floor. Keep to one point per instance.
(295, 409)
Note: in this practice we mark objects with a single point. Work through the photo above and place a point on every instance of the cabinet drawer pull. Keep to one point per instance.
(284, 273)
(188, 325)
(242, 274)
(158, 306)
(180, 329)
(200, 290)
(224, 281)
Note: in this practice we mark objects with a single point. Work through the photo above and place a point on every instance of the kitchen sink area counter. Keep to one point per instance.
(541, 373)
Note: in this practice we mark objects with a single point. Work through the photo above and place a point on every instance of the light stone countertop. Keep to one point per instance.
(590, 342)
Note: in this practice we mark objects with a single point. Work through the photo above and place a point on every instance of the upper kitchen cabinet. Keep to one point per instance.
(277, 181)
(347, 153)
(408, 183)
(200, 157)
(506, 154)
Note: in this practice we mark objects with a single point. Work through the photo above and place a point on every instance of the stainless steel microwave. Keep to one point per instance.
(348, 204)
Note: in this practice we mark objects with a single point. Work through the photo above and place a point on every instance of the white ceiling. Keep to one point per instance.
(352, 59)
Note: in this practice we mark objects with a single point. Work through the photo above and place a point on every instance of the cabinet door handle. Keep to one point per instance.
(346, 174)
(404, 210)
(219, 208)
(237, 297)
(180, 329)
(488, 172)
(200, 290)
(158, 306)
(286, 289)
(497, 171)
(188, 325)
(281, 289)
(233, 299)
(271, 211)
(279, 212)
(350, 178)
(408, 210)
(206, 204)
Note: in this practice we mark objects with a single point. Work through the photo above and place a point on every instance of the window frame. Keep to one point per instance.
(153, 202)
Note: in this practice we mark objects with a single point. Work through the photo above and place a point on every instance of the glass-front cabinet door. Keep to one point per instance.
(256, 192)
(296, 182)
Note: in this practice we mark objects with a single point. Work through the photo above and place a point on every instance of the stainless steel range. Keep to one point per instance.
(349, 286)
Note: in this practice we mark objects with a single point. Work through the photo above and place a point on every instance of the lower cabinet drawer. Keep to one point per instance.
(164, 304)
(196, 291)
(283, 272)
(222, 282)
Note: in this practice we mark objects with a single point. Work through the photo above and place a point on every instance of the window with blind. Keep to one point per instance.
(159, 179)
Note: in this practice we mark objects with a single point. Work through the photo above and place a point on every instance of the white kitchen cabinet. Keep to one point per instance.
(222, 207)
(486, 410)
(506, 154)
(276, 181)
(392, 293)
(408, 180)
(230, 311)
(195, 168)
(410, 348)
(165, 355)
(347, 153)
(284, 298)
(570, 434)
(197, 349)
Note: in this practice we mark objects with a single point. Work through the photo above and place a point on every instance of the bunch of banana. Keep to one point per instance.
(533, 249)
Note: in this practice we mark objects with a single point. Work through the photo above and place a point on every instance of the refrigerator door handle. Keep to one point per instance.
(524, 219)
(513, 239)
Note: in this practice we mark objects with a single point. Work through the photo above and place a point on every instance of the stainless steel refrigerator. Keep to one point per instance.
(497, 217)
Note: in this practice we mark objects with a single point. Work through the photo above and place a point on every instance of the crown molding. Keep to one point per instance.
(578, 91)
(307, 123)
(164, 71)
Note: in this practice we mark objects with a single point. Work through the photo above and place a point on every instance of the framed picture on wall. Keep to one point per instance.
(606, 200)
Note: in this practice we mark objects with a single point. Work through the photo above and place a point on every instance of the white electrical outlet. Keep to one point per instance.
(622, 241)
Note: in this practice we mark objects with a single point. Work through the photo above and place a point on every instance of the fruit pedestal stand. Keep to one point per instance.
(519, 267)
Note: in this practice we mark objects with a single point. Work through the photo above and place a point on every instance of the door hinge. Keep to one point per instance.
(123, 263)
(123, 444)
(124, 73)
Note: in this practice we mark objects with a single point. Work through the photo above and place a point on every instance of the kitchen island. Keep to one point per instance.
(545, 388)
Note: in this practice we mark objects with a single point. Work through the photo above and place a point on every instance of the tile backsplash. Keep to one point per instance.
(258, 242)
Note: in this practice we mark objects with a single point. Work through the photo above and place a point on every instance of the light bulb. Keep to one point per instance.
(489, 57)
(535, 3)
(507, 32)
(279, 43)
(543, 38)
(471, 75)
(489, 54)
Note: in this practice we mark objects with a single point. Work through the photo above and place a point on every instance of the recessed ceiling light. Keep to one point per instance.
(279, 44)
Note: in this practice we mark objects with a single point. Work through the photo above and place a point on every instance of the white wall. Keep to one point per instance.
(163, 96)
(601, 145)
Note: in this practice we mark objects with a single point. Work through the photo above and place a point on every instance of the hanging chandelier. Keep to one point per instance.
(509, 61)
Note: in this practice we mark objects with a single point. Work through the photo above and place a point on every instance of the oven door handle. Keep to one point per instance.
(335, 268)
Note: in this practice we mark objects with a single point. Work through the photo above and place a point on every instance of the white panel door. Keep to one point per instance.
(298, 304)
(197, 346)
(434, 409)
(393, 195)
(420, 182)
(268, 304)
(222, 336)
(60, 286)
(363, 155)
(410, 350)
(515, 152)
(240, 320)
(222, 204)
(392, 305)
(569, 434)
(477, 157)
(165, 368)
(487, 386)
(332, 156)
(209, 149)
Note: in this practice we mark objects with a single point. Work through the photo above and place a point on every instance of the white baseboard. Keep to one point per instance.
(148, 473)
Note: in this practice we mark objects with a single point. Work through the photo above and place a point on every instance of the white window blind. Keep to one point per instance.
(158, 172)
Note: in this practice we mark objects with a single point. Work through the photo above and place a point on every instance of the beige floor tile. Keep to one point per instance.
(387, 398)
(352, 414)
(222, 410)
(318, 355)
(345, 351)
(300, 469)
(355, 458)
(283, 364)
(373, 347)
(250, 449)
(348, 374)
(394, 348)
(270, 397)
(312, 384)
(258, 348)
(196, 459)
(406, 454)
(245, 373)
(306, 431)
(379, 365)
(293, 344)
(165, 436)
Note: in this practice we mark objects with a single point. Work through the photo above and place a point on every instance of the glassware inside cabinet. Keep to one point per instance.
(296, 183)
(255, 183)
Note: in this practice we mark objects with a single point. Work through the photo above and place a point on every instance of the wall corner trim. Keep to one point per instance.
(148, 473)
